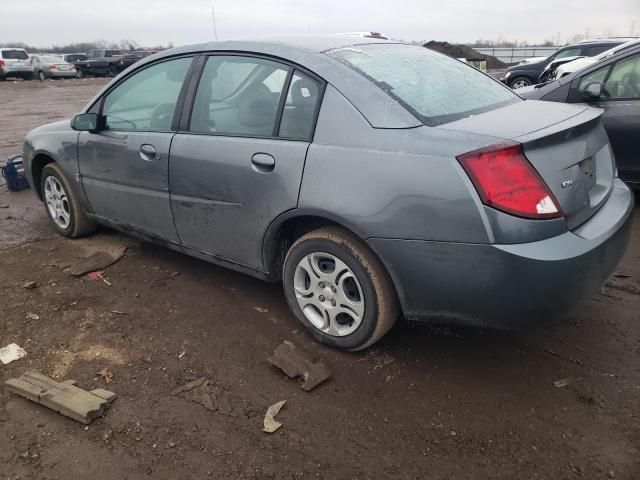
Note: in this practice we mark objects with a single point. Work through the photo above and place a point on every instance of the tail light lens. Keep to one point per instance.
(53, 67)
(506, 181)
(1, 63)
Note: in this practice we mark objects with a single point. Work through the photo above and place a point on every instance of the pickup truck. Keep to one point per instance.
(103, 62)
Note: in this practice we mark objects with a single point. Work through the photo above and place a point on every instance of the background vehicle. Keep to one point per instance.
(382, 186)
(14, 63)
(526, 74)
(49, 66)
(73, 57)
(549, 72)
(575, 65)
(103, 62)
(613, 84)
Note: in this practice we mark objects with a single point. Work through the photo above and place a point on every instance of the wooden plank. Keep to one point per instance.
(65, 398)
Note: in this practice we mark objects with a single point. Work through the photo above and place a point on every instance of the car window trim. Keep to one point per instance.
(179, 102)
(188, 105)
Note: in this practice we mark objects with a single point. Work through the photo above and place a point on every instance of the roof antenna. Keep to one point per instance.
(215, 30)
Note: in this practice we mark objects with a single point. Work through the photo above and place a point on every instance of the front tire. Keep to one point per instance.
(520, 82)
(62, 204)
(339, 290)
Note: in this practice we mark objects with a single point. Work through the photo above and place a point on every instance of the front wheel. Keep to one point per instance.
(520, 82)
(339, 289)
(62, 204)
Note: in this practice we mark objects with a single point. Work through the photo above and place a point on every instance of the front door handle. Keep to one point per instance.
(263, 163)
(148, 152)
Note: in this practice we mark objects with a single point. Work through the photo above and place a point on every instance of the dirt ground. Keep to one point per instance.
(423, 403)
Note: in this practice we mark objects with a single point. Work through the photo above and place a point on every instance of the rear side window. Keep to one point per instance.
(300, 108)
(238, 96)
(147, 100)
(593, 51)
(437, 89)
(14, 54)
(571, 52)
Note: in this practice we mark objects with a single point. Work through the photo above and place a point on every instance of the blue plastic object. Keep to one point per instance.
(13, 172)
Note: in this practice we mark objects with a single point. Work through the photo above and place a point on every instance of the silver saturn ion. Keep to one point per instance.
(374, 179)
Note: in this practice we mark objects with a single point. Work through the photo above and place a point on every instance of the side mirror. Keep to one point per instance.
(85, 122)
(592, 91)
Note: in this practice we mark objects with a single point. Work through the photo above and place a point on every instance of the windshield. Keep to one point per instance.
(14, 54)
(435, 88)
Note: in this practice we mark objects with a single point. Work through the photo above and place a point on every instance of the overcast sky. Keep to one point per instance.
(150, 22)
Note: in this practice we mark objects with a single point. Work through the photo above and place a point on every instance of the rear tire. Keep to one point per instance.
(339, 290)
(62, 204)
(41, 76)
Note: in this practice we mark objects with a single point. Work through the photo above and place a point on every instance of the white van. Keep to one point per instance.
(14, 62)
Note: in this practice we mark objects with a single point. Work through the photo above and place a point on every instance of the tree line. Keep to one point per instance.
(125, 45)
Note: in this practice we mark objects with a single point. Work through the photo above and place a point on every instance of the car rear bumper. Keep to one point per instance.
(64, 74)
(16, 71)
(509, 286)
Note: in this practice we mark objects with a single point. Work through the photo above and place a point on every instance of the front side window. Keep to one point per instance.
(624, 81)
(570, 52)
(594, 77)
(238, 96)
(437, 89)
(147, 100)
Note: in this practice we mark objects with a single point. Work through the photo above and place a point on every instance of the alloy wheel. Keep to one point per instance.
(57, 202)
(329, 294)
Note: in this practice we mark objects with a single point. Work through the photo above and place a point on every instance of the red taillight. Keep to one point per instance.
(505, 180)
(52, 67)
(1, 63)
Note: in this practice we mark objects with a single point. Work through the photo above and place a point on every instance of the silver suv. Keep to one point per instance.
(14, 62)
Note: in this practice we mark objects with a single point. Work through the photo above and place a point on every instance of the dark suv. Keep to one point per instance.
(525, 74)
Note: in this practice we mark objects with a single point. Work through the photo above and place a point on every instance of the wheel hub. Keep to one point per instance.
(329, 294)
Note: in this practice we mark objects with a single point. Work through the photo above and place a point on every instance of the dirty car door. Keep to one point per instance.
(124, 167)
(239, 162)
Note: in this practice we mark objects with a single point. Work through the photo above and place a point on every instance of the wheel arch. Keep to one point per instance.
(291, 225)
(39, 161)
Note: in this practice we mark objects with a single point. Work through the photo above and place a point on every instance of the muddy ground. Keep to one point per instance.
(423, 403)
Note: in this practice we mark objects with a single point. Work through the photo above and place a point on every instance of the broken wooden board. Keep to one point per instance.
(270, 422)
(98, 261)
(64, 398)
(295, 363)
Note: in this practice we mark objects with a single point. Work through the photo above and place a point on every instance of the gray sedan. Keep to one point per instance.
(50, 66)
(374, 179)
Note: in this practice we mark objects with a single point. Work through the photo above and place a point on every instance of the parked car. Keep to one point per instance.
(50, 66)
(549, 72)
(526, 74)
(612, 84)
(74, 57)
(371, 177)
(14, 63)
(104, 62)
(574, 66)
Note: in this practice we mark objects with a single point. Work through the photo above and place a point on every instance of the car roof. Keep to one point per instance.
(308, 51)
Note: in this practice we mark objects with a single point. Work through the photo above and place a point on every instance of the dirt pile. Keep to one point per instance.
(463, 51)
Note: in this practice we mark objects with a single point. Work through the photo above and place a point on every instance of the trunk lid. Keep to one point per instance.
(566, 144)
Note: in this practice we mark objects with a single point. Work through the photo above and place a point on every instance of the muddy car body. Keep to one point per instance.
(368, 194)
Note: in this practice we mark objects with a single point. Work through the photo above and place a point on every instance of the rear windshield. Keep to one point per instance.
(14, 54)
(75, 58)
(435, 88)
(51, 59)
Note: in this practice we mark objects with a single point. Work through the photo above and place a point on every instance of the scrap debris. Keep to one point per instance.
(64, 398)
(564, 382)
(97, 262)
(206, 393)
(30, 285)
(106, 374)
(295, 363)
(270, 423)
(98, 275)
(11, 353)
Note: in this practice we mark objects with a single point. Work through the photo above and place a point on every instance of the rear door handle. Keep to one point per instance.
(263, 163)
(148, 152)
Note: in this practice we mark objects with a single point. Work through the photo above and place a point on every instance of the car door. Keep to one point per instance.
(124, 167)
(238, 162)
(620, 100)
